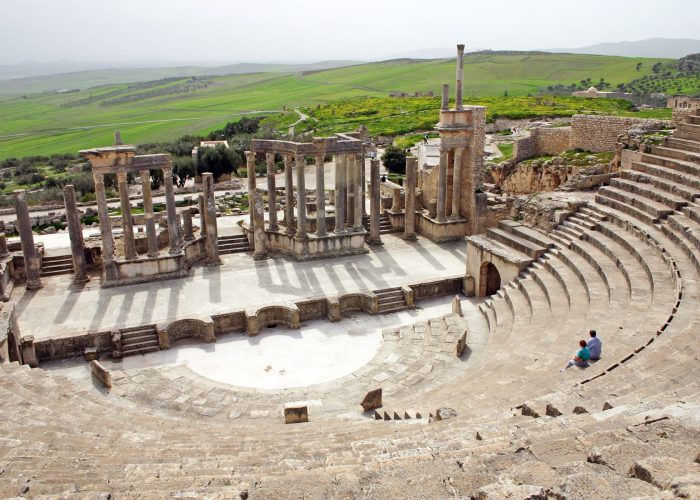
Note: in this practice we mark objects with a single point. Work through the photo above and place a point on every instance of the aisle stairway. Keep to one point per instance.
(139, 340)
(56, 264)
(233, 244)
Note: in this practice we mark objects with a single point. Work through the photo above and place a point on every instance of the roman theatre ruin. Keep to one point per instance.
(353, 337)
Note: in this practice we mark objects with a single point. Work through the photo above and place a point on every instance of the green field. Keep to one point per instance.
(41, 124)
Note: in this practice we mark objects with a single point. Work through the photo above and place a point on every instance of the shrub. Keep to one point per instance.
(394, 160)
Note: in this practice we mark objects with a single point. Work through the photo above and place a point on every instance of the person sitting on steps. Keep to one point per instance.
(594, 345)
(580, 358)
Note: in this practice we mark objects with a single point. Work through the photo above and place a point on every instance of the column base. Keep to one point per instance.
(260, 255)
(215, 262)
(175, 251)
(375, 242)
(153, 255)
(321, 234)
(80, 280)
(301, 237)
(34, 284)
(410, 237)
(189, 237)
(271, 227)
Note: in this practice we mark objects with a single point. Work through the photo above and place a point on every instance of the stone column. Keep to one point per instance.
(127, 220)
(375, 204)
(250, 168)
(75, 231)
(289, 195)
(187, 225)
(31, 259)
(460, 77)
(340, 193)
(258, 207)
(445, 97)
(320, 198)
(211, 242)
(409, 228)
(3, 245)
(151, 234)
(396, 200)
(457, 183)
(442, 185)
(357, 199)
(363, 177)
(105, 224)
(301, 198)
(202, 215)
(271, 193)
(171, 209)
(350, 189)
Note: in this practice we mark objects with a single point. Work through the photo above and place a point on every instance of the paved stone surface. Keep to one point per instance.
(240, 282)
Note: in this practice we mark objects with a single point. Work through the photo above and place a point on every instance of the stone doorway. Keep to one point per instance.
(489, 280)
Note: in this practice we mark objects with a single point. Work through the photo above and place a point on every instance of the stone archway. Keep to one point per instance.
(489, 279)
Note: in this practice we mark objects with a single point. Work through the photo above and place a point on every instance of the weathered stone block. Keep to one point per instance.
(101, 373)
(372, 400)
(295, 414)
(461, 345)
(456, 306)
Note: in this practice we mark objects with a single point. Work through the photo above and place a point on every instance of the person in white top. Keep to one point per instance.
(594, 345)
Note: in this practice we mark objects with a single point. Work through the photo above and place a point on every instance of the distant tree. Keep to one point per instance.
(505, 93)
(183, 167)
(656, 68)
(394, 160)
(219, 161)
(639, 66)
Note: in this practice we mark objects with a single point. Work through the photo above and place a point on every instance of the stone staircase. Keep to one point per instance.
(139, 340)
(233, 244)
(385, 226)
(390, 300)
(56, 264)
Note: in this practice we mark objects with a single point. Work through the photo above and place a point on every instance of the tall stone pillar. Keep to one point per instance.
(202, 215)
(211, 242)
(258, 206)
(105, 225)
(320, 198)
(151, 234)
(340, 193)
(396, 200)
(442, 185)
(350, 190)
(301, 198)
(271, 192)
(127, 220)
(409, 228)
(250, 168)
(457, 183)
(75, 231)
(289, 195)
(357, 199)
(26, 236)
(363, 178)
(460, 77)
(188, 232)
(375, 204)
(171, 209)
(445, 97)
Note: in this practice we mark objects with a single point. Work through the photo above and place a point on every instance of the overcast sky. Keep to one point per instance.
(228, 31)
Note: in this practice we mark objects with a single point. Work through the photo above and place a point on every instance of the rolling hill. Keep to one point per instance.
(163, 110)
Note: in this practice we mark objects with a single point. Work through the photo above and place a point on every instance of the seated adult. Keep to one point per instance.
(594, 345)
(581, 357)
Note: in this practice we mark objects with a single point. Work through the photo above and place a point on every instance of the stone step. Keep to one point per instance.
(684, 144)
(140, 349)
(527, 233)
(593, 213)
(687, 131)
(692, 212)
(655, 209)
(569, 231)
(694, 119)
(511, 240)
(674, 188)
(580, 222)
(625, 208)
(647, 191)
(689, 167)
(667, 173)
(56, 258)
(678, 154)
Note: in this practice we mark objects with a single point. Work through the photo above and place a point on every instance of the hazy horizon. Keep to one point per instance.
(219, 32)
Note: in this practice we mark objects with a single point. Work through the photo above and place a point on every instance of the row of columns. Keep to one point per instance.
(457, 154)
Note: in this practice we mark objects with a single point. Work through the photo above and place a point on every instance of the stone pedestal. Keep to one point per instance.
(375, 204)
(202, 211)
(31, 259)
(409, 229)
(75, 231)
(209, 220)
(432, 208)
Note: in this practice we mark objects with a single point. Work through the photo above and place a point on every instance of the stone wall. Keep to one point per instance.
(599, 133)
(542, 141)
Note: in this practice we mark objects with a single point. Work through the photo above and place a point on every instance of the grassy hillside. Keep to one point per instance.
(41, 124)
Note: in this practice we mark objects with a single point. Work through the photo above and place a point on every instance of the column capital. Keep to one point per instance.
(121, 176)
(167, 170)
(249, 155)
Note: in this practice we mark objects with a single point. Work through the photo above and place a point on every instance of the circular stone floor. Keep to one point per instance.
(280, 357)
